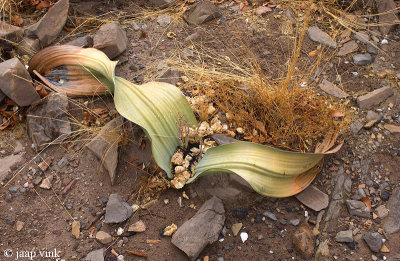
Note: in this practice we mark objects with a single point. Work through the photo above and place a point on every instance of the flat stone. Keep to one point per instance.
(111, 39)
(344, 236)
(362, 36)
(103, 237)
(294, 222)
(303, 241)
(96, 255)
(372, 49)
(347, 48)
(391, 223)
(19, 225)
(373, 116)
(47, 120)
(313, 198)
(162, 3)
(202, 229)
(358, 208)
(374, 241)
(388, 17)
(202, 12)
(105, 146)
(374, 98)
(10, 32)
(51, 24)
(8, 161)
(317, 35)
(83, 41)
(15, 82)
(363, 59)
(270, 215)
(392, 128)
(164, 20)
(224, 193)
(382, 212)
(332, 89)
(137, 227)
(62, 162)
(76, 229)
(169, 76)
(117, 210)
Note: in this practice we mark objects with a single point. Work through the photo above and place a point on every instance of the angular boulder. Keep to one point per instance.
(111, 39)
(313, 198)
(358, 208)
(387, 15)
(15, 82)
(105, 146)
(202, 12)
(391, 223)
(162, 3)
(51, 24)
(202, 229)
(28, 46)
(47, 120)
(84, 41)
(117, 210)
(375, 97)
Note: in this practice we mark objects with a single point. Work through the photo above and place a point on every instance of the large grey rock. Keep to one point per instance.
(111, 39)
(84, 41)
(162, 3)
(105, 146)
(51, 24)
(313, 198)
(15, 82)
(10, 32)
(358, 208)
(344, 236)
(95, 255)
(387, 18)
(375, 97)
(340, 193)
(332, 89)
(374, 241)
(391, 223)
(317, 35)
(202, 229)
(363, 59)
(349, 47)
(47, 120)
(117, 210)
(202, 12)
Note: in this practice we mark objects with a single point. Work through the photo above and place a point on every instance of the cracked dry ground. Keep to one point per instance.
(369, 160)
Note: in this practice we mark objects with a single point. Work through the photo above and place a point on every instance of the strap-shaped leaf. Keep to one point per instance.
(270, 171)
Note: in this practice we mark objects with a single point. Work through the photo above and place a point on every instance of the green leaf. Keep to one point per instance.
(156, 107)
(271, 172)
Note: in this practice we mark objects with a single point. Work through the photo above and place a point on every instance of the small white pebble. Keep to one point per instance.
(120, 231)
(306, 213)
(244, 236)
(271, 252)
(221, 239)
(384, 41)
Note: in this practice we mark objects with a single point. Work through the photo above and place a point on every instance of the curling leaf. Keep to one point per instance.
(270, 171)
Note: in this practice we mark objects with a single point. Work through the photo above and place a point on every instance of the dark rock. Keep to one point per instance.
(374, 241)
(358, 208)
(317, 35)
(388, 19)
(51, 24)
(169, 76)
(47, 120)
(105, 146)
(111, 39)
(15, 82)
(202, 229)
(374, 98)
(96, 255)
(385, 195)
(117, 210)
(303, 241)
(84, 41)
(363, 59)
(391, 223)
(240, 213)
(351, 245)
(10, 222)
(202, 12)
